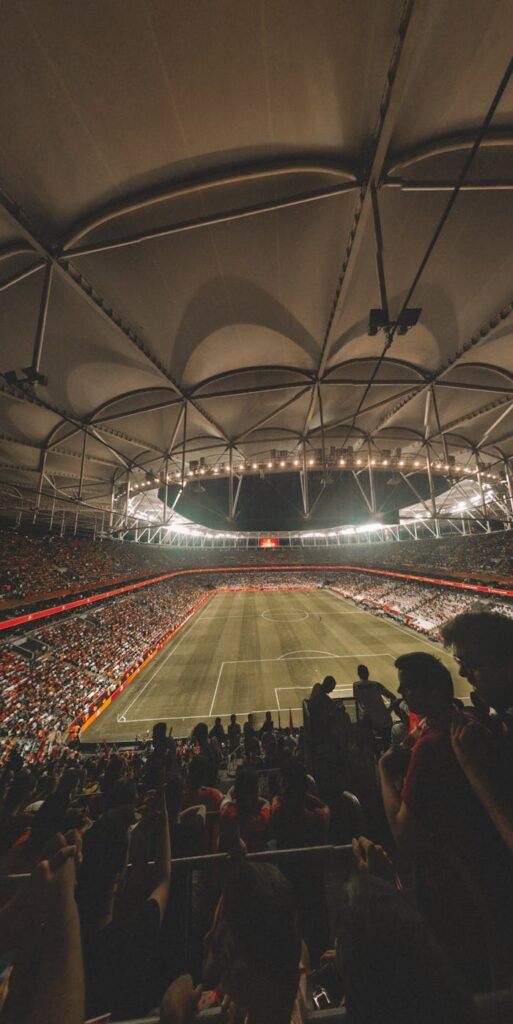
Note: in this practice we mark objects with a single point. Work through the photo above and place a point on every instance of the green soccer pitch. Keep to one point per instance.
(259, 651)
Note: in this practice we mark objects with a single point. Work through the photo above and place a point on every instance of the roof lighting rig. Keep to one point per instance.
(337, 460)
(378, 321)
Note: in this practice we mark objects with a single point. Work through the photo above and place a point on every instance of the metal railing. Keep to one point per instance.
(205, 859)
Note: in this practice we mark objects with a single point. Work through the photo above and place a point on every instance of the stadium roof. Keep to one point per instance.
(202, 203)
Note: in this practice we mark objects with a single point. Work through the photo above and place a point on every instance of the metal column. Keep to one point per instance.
(304, 483)
(42, 465)
(230, 483)
(127, 497)
(164, 510)
(184, 441)
(111, 514)
(509, 485)
(432, 496)
(371, 480)
(41, 323)
(82, 465)
(481, 490)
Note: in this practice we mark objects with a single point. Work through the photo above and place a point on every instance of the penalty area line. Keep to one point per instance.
(216, 689)
(201, 718)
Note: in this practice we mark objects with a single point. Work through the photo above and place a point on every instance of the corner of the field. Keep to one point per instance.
(133, 675)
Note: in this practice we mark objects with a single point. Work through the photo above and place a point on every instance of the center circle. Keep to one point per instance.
(284, 616)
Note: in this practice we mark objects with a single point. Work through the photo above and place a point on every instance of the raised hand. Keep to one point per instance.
(471, 743)
(373, 860)
(180, 1001)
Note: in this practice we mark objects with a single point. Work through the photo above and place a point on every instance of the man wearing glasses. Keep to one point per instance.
(482, 643)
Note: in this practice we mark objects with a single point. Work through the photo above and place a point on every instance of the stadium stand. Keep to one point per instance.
(390, 904)
(255, 288)
(35, 567)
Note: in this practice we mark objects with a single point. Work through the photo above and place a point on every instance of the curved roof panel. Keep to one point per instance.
(200, 206)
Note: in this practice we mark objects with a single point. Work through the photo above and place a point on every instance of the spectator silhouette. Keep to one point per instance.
(370, 705)
(246, 815)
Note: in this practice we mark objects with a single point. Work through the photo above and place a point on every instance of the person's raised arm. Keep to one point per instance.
(57, 990)
(392, 697)
(162, 877)
(396, 811)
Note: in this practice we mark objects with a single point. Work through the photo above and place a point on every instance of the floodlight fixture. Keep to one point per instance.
(379, 322)
(28, 376)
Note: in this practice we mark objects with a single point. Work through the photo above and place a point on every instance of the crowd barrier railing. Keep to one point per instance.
(204, 859)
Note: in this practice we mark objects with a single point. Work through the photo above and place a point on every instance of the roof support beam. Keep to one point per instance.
(77, 282)
(255, 389)
(21, 275)
(396, 81)
(495, 389)
(237, 176)
(441, 432)
(370, 408)
(154, 407)
(449, 144)
(480, 335)
(41, 323)
(303, 476)
(362, 492)
(271, 415)
(488, 185)
(22, 395)
(210, 220)
(473, 414)
(496, 422)
(176, 428)
(362, 381)
(414, 491)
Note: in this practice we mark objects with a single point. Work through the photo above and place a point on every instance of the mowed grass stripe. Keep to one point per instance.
(237, 640)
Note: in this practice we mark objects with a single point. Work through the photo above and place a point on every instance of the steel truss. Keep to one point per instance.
(383, 172)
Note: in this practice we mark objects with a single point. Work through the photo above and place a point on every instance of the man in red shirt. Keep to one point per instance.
(197, 791)
(298, 818)
(434, 800)
(436, 805)
(482, 643)
(246, 815)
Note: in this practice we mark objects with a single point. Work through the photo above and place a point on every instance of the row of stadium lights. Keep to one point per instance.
(202, 471)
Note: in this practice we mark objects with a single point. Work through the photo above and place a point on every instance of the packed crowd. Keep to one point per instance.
(102, 920)
(424, 607)
(34, 566)
(86, 658)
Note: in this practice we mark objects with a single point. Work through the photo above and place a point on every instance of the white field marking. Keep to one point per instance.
(364, 654)
(285, 616)
(189, 718)
(216, 689)
(232, 616)
(174, 648)
(121, 719)
(306, 650)
(259, 661)
(340, 690)
(354, 610)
